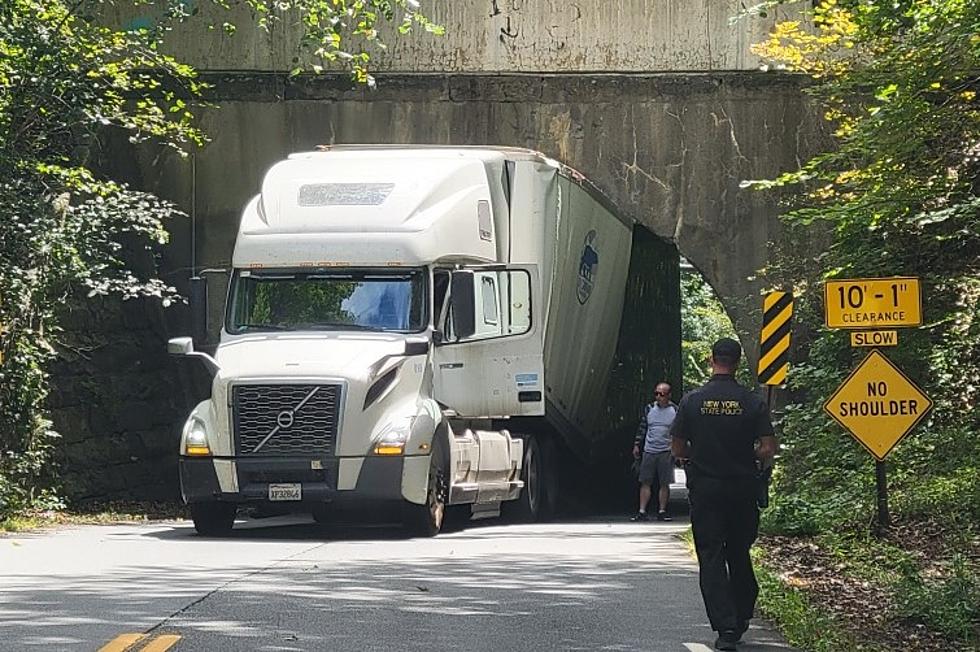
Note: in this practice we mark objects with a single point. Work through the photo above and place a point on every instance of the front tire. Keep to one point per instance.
(426, 520)
(214, 519)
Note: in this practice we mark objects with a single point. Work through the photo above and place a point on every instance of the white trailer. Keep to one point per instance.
(391, 311)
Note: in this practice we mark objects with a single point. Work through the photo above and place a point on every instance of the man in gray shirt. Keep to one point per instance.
(657, 464)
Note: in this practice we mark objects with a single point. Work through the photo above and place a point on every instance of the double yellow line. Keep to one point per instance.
(131, 642)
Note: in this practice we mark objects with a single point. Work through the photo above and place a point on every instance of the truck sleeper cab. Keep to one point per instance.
(381, 323)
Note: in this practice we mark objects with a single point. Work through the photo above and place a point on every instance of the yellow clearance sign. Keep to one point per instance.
(872, 303)
(878, 404)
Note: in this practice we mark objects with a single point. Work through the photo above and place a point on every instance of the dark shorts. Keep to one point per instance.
(657, 468)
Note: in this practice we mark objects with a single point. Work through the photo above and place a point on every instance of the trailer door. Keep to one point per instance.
(489, 359)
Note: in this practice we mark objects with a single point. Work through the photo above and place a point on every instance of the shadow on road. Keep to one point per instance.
(300, 527)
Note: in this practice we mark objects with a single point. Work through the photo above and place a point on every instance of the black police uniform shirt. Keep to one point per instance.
(722, 420)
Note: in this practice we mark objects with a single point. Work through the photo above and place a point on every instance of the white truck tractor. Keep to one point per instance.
(393, 314)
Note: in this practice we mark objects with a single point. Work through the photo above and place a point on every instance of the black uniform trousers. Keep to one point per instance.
(725, 520)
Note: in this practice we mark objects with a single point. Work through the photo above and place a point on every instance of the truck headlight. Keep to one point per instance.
(393, 437)
(196, 438)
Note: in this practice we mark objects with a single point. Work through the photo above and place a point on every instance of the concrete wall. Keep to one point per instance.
(117, 400)
(660, 102)
(669, 150)
(504, 36)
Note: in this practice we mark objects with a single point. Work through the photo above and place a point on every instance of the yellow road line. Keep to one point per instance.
(121, 642)
(161, 643)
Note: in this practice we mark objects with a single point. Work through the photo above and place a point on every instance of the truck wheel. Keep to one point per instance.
(213, 519)
(551, 477)
(426, 520)
(321, 514)
(533, 503)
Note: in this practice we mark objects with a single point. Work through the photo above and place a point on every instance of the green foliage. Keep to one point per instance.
(66, 79)
(804, 624)
(942, 594)
(328, 25)
(703, 322)
(950, 604)
(899, 195)
(63, 229)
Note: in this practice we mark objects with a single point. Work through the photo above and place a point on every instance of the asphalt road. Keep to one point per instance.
(287, 584)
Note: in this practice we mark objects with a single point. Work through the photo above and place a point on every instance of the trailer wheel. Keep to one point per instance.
(534, 501)
(426, 520)
(213, 519)
(549, 465)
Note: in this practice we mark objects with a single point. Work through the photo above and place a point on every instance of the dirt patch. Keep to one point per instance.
(866, 608)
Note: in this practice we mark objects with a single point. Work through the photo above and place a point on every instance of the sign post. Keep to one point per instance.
(881, 486)
(877, 403)
(774, 339)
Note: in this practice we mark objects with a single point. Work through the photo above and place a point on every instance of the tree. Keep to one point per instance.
(899, 195)
(66, 79)
(703, 322)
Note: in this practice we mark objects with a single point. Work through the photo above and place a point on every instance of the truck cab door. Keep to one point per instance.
(489, 360)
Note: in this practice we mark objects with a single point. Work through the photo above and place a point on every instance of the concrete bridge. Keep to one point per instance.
(658, 102)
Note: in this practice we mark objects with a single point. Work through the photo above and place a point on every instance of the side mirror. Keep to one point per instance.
(180, 346)
(437, 337)
(462, 299)
(184, 346)
(199, 309)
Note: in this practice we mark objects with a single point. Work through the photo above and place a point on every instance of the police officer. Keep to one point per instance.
(721, 431)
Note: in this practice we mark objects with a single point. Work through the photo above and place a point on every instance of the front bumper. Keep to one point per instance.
(247, 480)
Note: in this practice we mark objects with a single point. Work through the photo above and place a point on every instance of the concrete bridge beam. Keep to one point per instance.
(670, 150)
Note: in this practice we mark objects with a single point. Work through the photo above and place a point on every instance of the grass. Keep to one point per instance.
(804, 624)
(92, 514)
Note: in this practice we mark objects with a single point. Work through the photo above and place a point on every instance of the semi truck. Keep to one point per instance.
(411, 329)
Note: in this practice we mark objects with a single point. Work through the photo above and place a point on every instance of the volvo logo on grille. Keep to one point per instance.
(285, 419)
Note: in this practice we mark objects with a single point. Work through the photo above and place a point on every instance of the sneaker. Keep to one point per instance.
(727, 640)
(663, 516)
(639, 516)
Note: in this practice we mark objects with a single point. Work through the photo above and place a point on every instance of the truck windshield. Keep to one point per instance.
(279, 300)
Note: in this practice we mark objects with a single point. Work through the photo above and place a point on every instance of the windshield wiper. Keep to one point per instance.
(271, 327)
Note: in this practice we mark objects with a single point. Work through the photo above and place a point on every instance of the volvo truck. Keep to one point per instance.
(408, 328)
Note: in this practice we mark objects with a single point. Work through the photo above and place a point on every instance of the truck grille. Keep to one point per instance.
(276, 420)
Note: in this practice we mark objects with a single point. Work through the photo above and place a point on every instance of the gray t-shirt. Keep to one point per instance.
(659, 421)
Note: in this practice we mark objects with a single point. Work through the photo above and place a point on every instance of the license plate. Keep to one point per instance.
(290, 491)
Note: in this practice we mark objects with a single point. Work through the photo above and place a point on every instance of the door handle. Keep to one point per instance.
(451, 365)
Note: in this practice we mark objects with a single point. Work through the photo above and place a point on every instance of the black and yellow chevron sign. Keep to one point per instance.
(777, 322)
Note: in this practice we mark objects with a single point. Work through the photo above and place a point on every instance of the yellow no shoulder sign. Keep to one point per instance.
(872, 303)
(878, 404)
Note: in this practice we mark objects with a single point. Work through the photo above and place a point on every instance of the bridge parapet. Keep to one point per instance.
(583, 36)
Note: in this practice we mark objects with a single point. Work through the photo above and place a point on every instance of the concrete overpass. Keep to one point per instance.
(659, 102)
